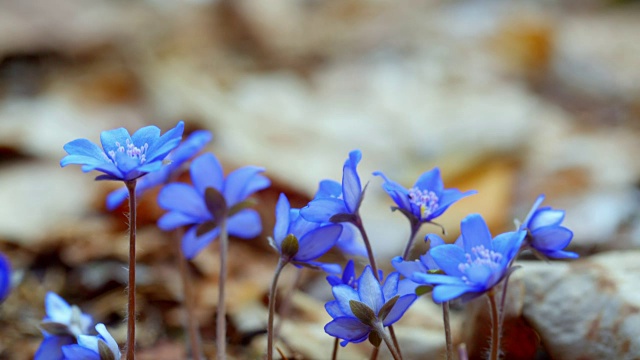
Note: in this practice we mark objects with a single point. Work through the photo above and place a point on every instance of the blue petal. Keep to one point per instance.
(239, 184)
(508, 244)
(5, 277)
(78, 352)
(349, 241)
(347, 328)
(317, 242)
(430, 180)
(533, 210)
(344, 294)
(559, 254)
(173, 220)
(206, 171)
(83, 148)
(437, 279)
(407, 268)
(401, 306)
(407, 287)
(351, 187)
(192, 245)
(447, 198)
(245, 224)
(390, 287)
(398, 193)
(329, 188)
(370, 291)
(57, 309)
(117, 197)
(298, 226)
(192, 145)
(475, 233)
(321, 210)
(150, 166)
(546, 217)
(281, 228)
(329, 268)
(448, 258)
(111, 140)
(108, 339)
(51, 347)
(126, 163)
(551, 238)
(167, 142)
(480, 274)
(106, 167)
(146, 135)
(333, 308)
(442, 293)
(185, 199)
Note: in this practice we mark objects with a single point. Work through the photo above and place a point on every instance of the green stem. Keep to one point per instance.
(496, 328)
(221, 322)
(189, 306)
(272, 307)
(447, 329)
(131, 306)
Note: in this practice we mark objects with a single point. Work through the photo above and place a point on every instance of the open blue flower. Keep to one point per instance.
(310, 239)
(93, 347)
(367, 307)
(476, 266)
(426, 200)
(124, 157)
(348, 276)
(187, 205)
(61, 326)
(544, 233)
(5, 277)
(334, 198)
(185, 151)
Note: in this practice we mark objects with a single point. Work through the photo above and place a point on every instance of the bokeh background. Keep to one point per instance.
(510, 98)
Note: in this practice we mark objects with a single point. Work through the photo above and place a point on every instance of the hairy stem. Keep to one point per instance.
(221, 321)
(189, 305)
(272, 307)
(415, 226)
(374, 353)
(495, 327)
(131, 306)
(387, 340)
(447, 329)
(286, 302)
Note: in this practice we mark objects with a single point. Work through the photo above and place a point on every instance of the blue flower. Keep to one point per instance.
(187, 205)
(93, 347)
(544, 233)
(5, 277)
(185, 151)
(310, 239)
(368, 307)
(424, 263)
(426, 200)
(62, 324)
(334, 198)
(348, 276)
(476, 266)
(124, 157)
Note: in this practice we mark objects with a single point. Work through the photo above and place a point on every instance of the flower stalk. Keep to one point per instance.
(272, 308)
(447, 329)
(131, 307)
(496, 328)
(387, 340)
(189, 305)
(221, 322)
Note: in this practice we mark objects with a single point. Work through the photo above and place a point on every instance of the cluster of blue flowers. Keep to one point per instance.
(211, 203)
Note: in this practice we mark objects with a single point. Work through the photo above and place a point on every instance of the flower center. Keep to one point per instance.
(480, 256)
(131, 150)
(426, 200)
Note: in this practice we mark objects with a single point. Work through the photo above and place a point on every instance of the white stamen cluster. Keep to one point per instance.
(131, 150)
(481, 256)
(426, 200)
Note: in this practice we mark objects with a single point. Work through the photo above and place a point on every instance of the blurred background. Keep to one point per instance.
(510, 98)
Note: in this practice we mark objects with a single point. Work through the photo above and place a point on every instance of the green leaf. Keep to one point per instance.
(205, 227)
(216, 204)
(290, 246)
(241, 206)
(374, 338)
(386, 308)
(362, 312)
(424, 289)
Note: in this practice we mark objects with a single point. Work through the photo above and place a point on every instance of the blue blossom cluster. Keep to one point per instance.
(67, 336)
(213, 203)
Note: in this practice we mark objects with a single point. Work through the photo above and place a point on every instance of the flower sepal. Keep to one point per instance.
(423, 289)
(344, 217)
(104, 351)
(386, 308)
(217, 206)
(56, 328)
(361, 311)
(290, 246)
(375, 339)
